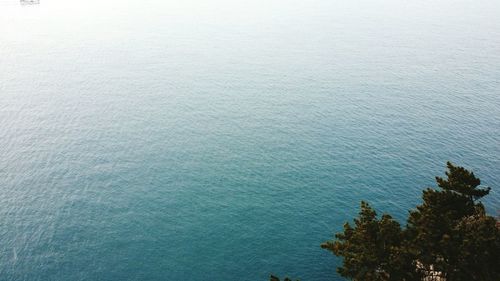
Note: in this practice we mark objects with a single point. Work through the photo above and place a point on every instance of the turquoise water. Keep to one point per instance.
(225, 140)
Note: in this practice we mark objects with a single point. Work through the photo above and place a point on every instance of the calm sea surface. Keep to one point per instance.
(225, 140)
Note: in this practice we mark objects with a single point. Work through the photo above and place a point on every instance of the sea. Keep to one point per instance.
(223, 140)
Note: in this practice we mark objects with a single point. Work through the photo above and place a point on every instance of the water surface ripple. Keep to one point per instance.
(225, 140)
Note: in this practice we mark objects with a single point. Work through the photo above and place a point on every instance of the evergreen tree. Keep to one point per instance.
(434, 230)
(449, 234)
(478, 238)
(463, 182)
(369, 248)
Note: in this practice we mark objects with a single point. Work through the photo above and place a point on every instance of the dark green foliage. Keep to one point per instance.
(463, 182)
(372, 249)
(450, 233)
(437, 228)
(430, 226)
(478, 245)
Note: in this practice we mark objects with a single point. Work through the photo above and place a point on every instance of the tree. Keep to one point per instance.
(463, 182)
(478, 247)
(370, 248)
(436, 228)
(448, 234)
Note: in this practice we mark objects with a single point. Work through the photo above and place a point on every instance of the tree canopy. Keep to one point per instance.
(449, 235)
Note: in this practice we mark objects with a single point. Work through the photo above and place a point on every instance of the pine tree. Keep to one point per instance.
(478, 238)
(368, 248)
(434, 227)
(449, 234)
(463, 182)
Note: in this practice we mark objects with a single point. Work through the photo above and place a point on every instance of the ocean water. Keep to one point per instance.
(225, 140)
